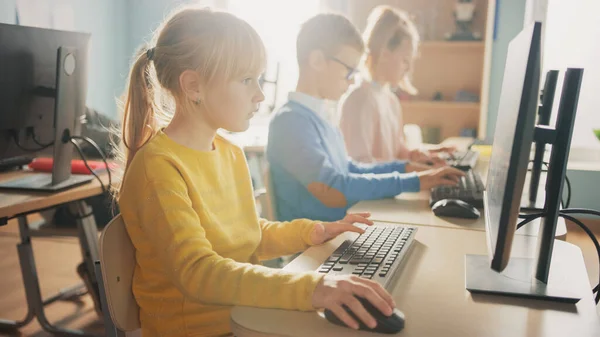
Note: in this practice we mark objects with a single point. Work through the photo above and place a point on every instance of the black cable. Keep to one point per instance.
(528, 220)
(101, 153)
(593, 237)
(580, 211)
(527, 216)
(15, 136)
(37, 142)
(568, 192)
(85, 162)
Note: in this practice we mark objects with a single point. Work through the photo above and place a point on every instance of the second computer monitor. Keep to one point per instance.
(512, 142)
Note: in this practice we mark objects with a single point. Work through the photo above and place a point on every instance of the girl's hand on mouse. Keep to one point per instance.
(336, 291)
(444, 176)
(328, 230)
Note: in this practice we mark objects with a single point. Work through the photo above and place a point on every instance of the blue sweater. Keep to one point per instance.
(312, 174)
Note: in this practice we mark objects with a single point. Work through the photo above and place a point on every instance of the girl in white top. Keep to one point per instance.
(371, 116)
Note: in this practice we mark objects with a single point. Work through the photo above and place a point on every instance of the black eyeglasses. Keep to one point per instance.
(351, 71)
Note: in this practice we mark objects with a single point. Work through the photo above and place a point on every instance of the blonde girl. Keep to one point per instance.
(186, 194)
(371, 119)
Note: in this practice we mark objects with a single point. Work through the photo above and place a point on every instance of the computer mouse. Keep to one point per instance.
(385, 324)
(455, 208)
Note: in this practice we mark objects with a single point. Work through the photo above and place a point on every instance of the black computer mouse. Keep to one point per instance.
(455, 208)
(385, 324)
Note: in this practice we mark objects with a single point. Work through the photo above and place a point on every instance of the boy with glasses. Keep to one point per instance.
(311, 172)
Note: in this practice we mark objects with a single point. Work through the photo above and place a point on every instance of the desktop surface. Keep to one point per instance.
(430, 291)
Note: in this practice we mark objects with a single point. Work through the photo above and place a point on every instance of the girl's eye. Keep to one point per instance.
(247, 81)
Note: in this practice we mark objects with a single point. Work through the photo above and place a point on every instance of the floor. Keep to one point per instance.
(57, 258)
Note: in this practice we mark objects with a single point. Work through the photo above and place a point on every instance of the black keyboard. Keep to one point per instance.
(463, 160)
(470, 190)
(375, 254)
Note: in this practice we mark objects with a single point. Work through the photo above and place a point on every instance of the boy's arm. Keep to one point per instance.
(296, 147)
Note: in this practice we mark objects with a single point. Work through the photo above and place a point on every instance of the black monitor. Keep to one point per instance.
(512, 142)
(43, 87)
(513, 137)
(534, 202)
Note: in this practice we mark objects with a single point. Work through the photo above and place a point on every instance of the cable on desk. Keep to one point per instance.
(85, 162)
(580, 211)
(529, 219)
(102, 155)
(534, 215)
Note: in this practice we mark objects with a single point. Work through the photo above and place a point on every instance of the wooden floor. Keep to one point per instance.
(57, 258)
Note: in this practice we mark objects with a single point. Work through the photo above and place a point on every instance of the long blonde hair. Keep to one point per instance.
(218, 45)
(388, 27)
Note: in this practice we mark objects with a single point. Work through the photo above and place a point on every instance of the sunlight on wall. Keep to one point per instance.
(278, 23)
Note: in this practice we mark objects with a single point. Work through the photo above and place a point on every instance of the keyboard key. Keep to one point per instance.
(345, 259)
(340, 250)
(338, 268)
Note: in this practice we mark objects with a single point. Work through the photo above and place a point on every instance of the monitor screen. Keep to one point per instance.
(28, 75)
(512, 142)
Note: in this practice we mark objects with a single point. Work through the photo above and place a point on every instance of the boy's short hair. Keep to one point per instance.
(328, 33)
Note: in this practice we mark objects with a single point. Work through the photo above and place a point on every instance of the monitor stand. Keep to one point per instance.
(516, 280)
(70, 103)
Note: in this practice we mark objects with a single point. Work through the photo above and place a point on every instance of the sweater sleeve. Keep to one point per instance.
(179, 241)
(284, 238)
(389, 167)
(295, 145)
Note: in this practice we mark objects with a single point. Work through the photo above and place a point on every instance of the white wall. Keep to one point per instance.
(572, 39)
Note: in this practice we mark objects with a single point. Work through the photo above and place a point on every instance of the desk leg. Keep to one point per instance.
(35, 303)
(88, 234)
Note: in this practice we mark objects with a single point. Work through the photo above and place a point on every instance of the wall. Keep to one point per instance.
(511, 14)
(105, 20)
(509, 22)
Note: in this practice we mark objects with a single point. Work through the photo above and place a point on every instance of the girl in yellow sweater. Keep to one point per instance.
(186, 194)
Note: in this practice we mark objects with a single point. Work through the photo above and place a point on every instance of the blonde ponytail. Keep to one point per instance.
(217, 45)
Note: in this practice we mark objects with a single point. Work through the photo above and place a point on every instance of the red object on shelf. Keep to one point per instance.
(77, 165)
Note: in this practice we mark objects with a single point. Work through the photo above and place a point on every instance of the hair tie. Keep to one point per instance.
(150, 54)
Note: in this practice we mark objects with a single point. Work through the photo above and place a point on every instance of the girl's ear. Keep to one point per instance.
(191, 85)
(317, 60)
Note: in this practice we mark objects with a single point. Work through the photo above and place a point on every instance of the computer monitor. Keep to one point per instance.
(512, 142)
(534, 202)
(515, 130)
(43, 87)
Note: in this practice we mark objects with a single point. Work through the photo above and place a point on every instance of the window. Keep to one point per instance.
(278, 23)
(572, 39)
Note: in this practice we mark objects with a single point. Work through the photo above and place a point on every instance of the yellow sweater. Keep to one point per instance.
(192, 219)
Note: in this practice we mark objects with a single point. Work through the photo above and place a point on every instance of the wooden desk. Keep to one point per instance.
(414, 209)
(16, 204)
(430, 290)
